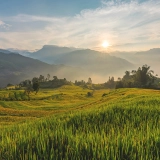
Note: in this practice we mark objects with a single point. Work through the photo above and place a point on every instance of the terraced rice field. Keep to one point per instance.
(65, 123)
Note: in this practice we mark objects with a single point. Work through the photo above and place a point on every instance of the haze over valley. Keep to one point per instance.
(97, 39)
(72, 63)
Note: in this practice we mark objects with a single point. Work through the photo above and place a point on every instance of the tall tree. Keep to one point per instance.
(127, 75)
(36, 86)
(34, 79)
(55, 77)
(41, 78)
(89, 81)
(143, 76)
(48, 76)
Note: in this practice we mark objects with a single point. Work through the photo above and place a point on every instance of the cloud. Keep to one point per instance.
(4, 25)
(118, 22)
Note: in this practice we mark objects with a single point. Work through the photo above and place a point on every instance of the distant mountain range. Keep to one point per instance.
(71, 63)
(152, 52)
(95, 62)
(150, 57)
(21, 52)
(5, 51)
(15, 68)
(91, 61)
(49, 53)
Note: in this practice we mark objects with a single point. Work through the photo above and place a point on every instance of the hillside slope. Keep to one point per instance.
(95, 62)
(125, 124)
(49, 53)
(15, 68)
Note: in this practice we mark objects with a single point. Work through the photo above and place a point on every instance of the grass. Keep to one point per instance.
(124, 124)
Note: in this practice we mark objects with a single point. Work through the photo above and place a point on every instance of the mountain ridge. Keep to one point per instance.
(15, 68)
(72, 64)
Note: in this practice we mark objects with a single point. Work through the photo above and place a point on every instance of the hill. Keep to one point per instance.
(14, 68)
(5, 51)
(95, 62)
(73, 64)
(150, 57)
(152, 52)
(19, 51)
(49, 53)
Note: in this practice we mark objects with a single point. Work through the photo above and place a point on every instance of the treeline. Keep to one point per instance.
(45, 82)
(141, 78)
(41, 82)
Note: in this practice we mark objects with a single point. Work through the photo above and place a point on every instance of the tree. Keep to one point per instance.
(119, 84)
(143, 77)
(89, 81)
(9, 85)
(28, 91)
(48, 76)
(35, 79)
(41, 78)
(55, 78)
(127, 75)
(110, 83)
(90, 94)
(36, 86)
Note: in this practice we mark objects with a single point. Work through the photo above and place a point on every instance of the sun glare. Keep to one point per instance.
(105, 44)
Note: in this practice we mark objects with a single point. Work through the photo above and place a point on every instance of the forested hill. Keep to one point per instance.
(14, 68)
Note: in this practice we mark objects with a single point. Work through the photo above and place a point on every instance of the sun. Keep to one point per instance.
(105, 44)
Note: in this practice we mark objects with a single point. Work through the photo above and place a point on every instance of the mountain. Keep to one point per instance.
(96, 63)
(14, 68)
(92, 62)
(49, 53)
(150, 57)
(21, 52)
(151, 53)
(4, 51)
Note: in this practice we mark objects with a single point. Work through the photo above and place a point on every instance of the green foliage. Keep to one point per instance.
(36, 86)
(9, 84)
(89, 94)
(110, 83)
(80, 83)
(104, 94)
(59, 82)
(41, 78)
(48, 76)
(142, 78)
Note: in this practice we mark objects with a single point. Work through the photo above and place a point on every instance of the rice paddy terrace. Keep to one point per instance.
(65, 123)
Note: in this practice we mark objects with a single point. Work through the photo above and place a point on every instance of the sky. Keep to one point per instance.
(124, 25)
